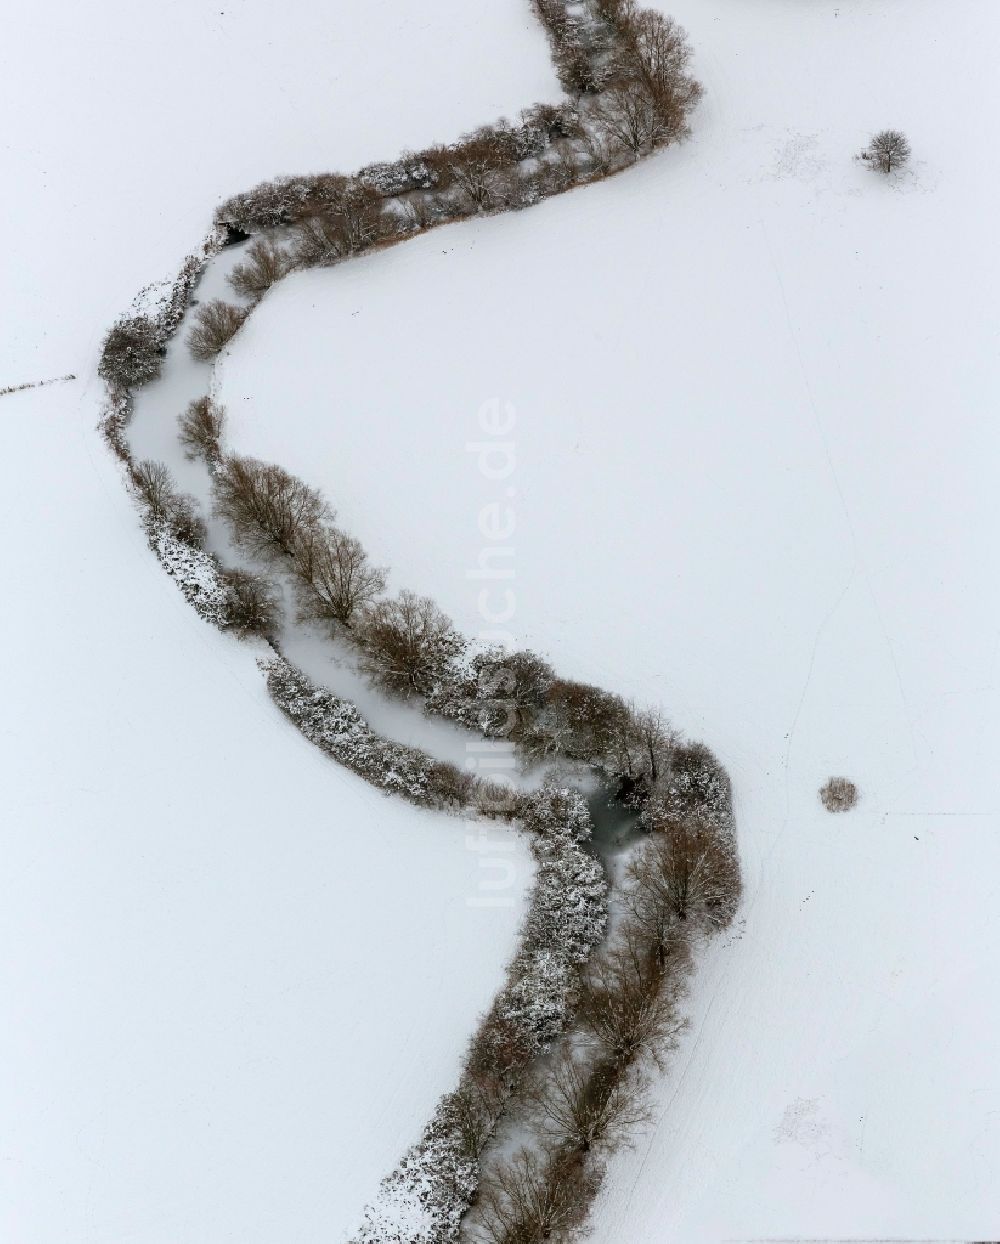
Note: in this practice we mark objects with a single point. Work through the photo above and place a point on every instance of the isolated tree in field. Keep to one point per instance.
(269, 511)
(201, 428)
(217, 323)
(335, 577)
(132, 353)
(252, 606)
(888, 150)
(409, 643)
(265, 264)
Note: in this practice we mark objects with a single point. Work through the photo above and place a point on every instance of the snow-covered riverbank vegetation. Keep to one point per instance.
(738, 498)
(409, 647)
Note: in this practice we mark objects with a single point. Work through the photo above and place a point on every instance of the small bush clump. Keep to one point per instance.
(839, 794)
(201, 428)
(217, 324)
(133, 352)
(265, 264)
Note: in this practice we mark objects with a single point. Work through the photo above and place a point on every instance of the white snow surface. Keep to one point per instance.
(755, 484)
(235, 980)
(125, 124)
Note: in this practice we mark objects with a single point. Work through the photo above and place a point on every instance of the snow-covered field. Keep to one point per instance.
(234, 980)
(754, 482)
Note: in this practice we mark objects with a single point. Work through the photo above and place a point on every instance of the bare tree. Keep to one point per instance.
(663, 54)
(510, 689)
(319, 242)
(201, 429)
(217, 324)
(409, 643)
(474, 173)
(536, 1197)
(584, 1104)
(629, 119)
(626, 1004)
(154, 484)
(684, 874)
(358, 208)
(252, 606)
(471, 1113)
(657, 739)
(888, 150)
(335, 577)
(265, 264)
(185, 521)
(269, 511)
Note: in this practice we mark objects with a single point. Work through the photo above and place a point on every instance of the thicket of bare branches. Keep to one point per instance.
(626, 1006)
(268, 510)
(683, 873)
(200, 429)
(538, 1195)
(409, 644)
(155, 487)
(888, 150)
(217, 323)
(585, 1103)
(265, 264)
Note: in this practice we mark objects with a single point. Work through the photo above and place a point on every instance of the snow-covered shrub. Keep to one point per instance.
(337, 728)
(132, 354)
(252, 604)
(197, 573)
(391, 179)
(267, 205)
(425, 1198)
(888, 150)
(696, 786)
(496, 692)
